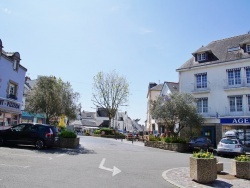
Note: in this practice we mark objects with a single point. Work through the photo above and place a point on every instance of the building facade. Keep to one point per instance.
(218, 75)
(12, 78)
(154, 91)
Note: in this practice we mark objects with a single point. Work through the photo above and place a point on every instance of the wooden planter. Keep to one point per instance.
(241, 169)
(203, 170)
(69, 142)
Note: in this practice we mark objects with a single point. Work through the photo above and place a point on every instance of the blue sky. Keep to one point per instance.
(143, 40)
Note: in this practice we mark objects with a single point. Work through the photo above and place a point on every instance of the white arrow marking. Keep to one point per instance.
(114, 170)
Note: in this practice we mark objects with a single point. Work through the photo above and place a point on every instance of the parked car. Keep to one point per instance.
(39, 135)
(200, 143)
(230, 146)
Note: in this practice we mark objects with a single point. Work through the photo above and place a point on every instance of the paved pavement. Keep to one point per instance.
(180, 177)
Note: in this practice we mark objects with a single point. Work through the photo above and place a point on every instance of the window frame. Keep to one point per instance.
(248, 98)
(234, 77)
(248, 75)
(201, 81)
(12, 90)
(248, 48)
(202, 105)
(236, 103)
(202, 56)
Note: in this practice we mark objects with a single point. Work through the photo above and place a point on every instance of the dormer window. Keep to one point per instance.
(201, 56)
(248, 48)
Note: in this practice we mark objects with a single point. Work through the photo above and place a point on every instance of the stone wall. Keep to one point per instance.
(179, 147)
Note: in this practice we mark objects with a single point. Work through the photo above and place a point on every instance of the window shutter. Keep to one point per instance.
(195, 57)
(244, 47)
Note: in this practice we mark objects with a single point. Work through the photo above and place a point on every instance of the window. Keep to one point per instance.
(202, 105)
(15, 65)
(248, 75)
(201, 80)
(12, 91)
(248, 48)
(235, 103)
(201, 56)
(248, 102)
(234, 77)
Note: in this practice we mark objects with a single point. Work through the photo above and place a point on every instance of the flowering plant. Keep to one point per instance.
(203, 154)
(242, 158)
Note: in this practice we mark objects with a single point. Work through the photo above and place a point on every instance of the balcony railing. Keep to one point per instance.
(239, 83)
(205, 88)
(11, 96)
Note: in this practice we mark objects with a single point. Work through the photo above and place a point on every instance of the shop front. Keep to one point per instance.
(32, 118)
(10, 112)
(240, 125)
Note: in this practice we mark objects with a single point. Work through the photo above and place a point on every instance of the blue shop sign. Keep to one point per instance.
(235, 121)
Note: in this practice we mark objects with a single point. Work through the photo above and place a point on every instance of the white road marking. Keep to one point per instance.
(114, 170)
(33, 156)
(14, 166)
(60, 155)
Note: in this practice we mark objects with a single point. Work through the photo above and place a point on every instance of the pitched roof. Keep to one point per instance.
(220, 50)
(157, 87)
(173, 86)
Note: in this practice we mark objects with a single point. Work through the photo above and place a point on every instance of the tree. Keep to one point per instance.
(176, 109)
(109, 92)
(53, 97)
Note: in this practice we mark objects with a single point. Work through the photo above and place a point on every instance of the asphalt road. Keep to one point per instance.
(90, 166)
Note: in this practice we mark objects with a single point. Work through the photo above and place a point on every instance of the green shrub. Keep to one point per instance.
(67, 134)
(174, 140)
(97, 131)
(153, 138)
(107, 131)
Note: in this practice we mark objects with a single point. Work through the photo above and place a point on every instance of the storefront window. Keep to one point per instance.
(243, 133)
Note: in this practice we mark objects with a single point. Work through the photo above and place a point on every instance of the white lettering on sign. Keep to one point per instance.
(10, 104)
(240, 120)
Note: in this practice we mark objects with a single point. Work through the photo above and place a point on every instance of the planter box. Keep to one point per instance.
(69, 142)
(219, 167)
(179, 147)
(203, 170)
(241, 169)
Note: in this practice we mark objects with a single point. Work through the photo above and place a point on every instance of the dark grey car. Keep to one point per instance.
(39, 135)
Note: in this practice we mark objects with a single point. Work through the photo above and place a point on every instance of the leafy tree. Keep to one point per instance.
(53, 97)
(109, 92)
(176, 109)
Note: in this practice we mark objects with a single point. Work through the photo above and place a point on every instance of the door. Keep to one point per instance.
(209, 132)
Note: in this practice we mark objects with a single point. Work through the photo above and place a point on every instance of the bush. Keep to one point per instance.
(97, 131)
(174, 140)
(153, 138)
(67, 134)
(107, 131)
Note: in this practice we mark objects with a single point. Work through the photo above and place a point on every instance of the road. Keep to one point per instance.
(90, 166)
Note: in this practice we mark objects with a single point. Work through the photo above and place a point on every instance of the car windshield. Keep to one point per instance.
(229, 141)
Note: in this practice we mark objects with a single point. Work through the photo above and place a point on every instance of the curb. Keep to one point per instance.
(170, 181)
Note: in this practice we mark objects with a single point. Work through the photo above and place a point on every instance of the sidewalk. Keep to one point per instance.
(180, 178)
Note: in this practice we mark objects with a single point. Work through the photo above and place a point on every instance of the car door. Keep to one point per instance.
(14, 135)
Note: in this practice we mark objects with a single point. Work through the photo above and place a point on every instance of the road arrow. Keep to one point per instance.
(114, 170)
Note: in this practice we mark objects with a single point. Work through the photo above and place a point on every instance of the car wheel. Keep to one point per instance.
(1, 141)
(39, 144)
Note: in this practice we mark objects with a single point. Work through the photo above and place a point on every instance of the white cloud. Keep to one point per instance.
(7, 11)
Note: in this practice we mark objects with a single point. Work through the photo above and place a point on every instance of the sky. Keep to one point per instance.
(142, 40)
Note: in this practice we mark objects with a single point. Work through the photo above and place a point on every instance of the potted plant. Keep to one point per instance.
(203, 167)
(68, 139)
(241, 167)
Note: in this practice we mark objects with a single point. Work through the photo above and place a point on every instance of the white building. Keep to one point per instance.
(218, 75)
